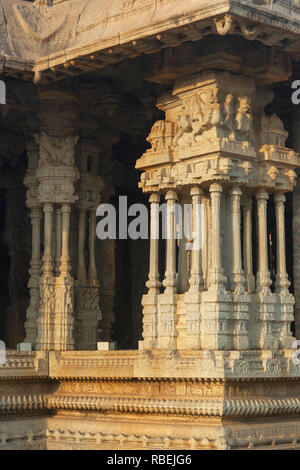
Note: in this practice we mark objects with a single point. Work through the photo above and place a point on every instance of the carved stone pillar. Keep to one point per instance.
(216, 319)
(58, 240)
(285, 304)
(81, 267)
(33, 284)
(167, 333)
(47, 266)
(192, 299)
(65, 257)
(90, 187)
(240, 298)
(263, 281)
(282, 282)
(263, 326)
(248, 261)
(56, 175)
(92, 245)
(47, 286)
(237, 278)
(150, 300)
(216, 276)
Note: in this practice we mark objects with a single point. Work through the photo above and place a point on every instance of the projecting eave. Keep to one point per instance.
(79, 36)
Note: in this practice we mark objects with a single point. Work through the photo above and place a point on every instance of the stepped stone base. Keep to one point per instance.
(122, 400)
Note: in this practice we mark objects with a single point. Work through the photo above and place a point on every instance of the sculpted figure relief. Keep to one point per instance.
(229, 114)
(56, 151)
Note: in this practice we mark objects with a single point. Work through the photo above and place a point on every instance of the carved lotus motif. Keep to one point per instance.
(41, 20)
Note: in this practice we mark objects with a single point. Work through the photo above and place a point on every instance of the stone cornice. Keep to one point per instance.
(100, 36)
(156, 364)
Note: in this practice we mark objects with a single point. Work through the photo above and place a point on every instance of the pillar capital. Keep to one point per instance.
(48, 207)
(65, 208)
(262, 194)
(196, 191)
(154, 198)
(215, 188)
(171, 196)
(235, 191)
(279, 197)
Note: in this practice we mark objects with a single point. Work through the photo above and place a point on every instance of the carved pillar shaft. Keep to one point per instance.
(237, 279)
(170, 275)
(196, 281)
(216, 278)
(81, 268)
(263, 275)
(65, 259)
(48, 221)
(92, 245)
(149, 301)
(153, 282)
(33, 284)
(282, 282)
(248, 261)
(58, 240)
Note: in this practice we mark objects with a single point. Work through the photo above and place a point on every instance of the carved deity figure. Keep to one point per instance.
(244, 118)
(56, 151)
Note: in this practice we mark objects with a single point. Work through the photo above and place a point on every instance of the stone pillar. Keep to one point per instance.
(282, 282)
(47, 286)
(237, 278)
(167, 301)
(248, 257)
(296, 221)
(285, 303)
(216, 276)
(47, 267)
(263, 281)
(92, 244)
(192, 299)
(196, 280)
(216, 317)
(33, 284)
(65, 257)
(58, 241)
(150, 300)
(263, 326)
(240, 298)
(170, 275)
(81, 267)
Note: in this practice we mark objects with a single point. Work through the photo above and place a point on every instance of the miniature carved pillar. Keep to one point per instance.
(81, 268)
(248, 261)
(263, 280)
(58, 240)
(282, 282)
(237, 279)
(167, 301)
(170, 275)
(48, 221)
(149, 301)
(183, 253)
(65, 258)
(153, 282)
(92, 243)
(240, 298)
(216, 278)
(216, 326)
(47, 290)
(285, 303)
(196, 281)
(189, 336)
(296, 222)
(35, 268)
(266, 336)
